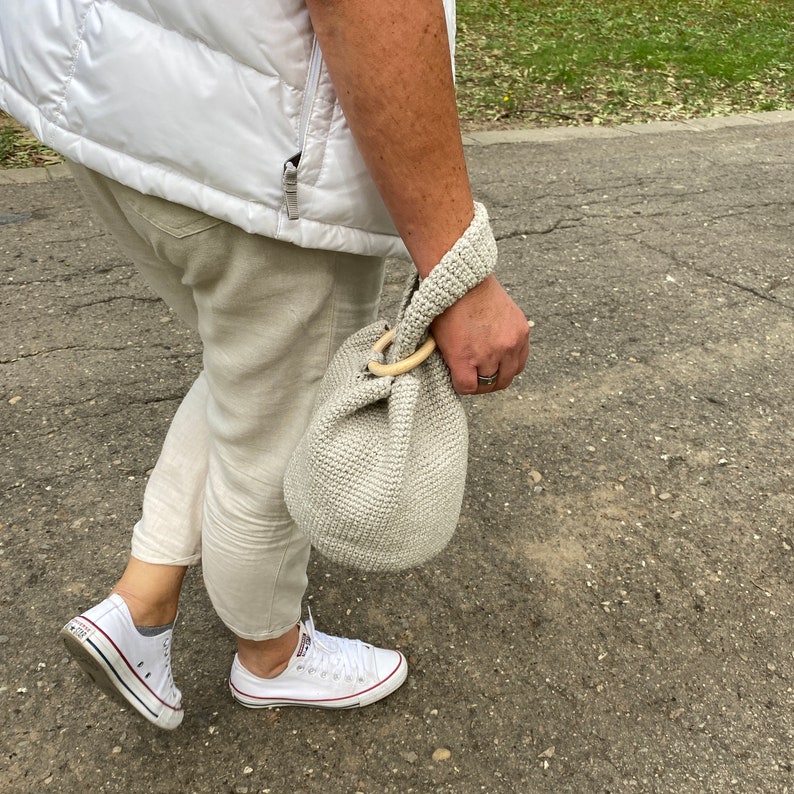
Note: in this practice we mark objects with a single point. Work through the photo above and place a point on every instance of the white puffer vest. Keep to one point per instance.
(225, 107)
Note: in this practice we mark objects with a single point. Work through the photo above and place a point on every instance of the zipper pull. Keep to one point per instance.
(289, 185)
(289, 177)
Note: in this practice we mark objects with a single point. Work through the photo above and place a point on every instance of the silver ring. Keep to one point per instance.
(487, 380)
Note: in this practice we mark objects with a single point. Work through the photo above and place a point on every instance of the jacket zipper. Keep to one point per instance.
(289, 176)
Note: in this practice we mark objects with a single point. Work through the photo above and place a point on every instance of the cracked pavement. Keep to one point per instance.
(614, 613)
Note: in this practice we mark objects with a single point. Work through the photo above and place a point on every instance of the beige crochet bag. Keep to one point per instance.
(377, 480)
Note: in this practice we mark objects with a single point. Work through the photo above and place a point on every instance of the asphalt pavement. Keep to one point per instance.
(615, 611)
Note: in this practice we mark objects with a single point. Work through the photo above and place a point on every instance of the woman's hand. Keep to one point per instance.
(483, 334)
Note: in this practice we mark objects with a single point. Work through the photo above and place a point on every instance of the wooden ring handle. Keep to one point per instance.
(404, 365)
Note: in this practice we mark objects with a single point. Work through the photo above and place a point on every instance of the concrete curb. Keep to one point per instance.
(51, 173)
(554, 134)
(28, 176)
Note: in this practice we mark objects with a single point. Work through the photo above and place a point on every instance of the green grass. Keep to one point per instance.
(609, 61)
(19, 149)
(550, 62)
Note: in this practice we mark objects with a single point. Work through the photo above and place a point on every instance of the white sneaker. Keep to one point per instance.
(323, 672)
(125, 664)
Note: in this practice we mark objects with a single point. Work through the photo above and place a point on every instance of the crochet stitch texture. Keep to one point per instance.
(377, 481)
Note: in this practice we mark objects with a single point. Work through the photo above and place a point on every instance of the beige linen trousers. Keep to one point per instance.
(270, 315)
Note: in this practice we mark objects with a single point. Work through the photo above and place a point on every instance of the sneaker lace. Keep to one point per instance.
(336, 657)
(167, 656)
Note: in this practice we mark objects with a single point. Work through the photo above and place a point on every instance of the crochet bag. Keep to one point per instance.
(377, 480)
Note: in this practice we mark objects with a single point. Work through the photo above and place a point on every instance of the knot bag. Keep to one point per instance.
(377, 480)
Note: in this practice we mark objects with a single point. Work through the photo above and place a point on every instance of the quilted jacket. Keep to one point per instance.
(225, 107)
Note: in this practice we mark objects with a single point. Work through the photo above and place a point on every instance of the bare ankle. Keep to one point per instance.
(151, 591)
(267, 658)
(146, 613)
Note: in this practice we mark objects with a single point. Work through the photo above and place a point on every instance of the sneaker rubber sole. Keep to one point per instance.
(107, 667)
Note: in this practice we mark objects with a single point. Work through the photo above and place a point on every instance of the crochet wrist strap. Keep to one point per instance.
(470, 260)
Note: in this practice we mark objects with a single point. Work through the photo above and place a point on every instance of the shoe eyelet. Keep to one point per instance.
(299, 668)
(324, 674)
(337, 677)
(312, 670)
(348, 678)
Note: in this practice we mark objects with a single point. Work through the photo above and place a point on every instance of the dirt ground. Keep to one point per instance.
(614, 614)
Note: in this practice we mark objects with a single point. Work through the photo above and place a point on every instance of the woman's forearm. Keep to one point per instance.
(391, 67)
